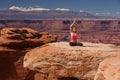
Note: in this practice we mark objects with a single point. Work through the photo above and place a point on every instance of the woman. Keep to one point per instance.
(73, 33)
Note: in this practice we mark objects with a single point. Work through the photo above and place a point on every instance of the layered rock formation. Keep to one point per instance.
(24, 38)
(109, 69)
(14, 43)
(59, 61)
(89, 29)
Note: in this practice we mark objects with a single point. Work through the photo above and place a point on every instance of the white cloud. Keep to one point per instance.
(81, 11)
(37, 8)
(27, 9)
(62, 9)
(103, 14)
(86, 11)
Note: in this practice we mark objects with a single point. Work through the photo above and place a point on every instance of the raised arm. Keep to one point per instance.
(74, 21)
(74, 24)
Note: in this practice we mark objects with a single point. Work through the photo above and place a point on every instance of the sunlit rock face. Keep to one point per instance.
(56, 61)
(109, 69)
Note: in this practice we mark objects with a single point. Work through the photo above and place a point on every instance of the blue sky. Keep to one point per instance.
(98, 7)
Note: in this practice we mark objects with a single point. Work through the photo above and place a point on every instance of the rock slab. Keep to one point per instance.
(59, 60)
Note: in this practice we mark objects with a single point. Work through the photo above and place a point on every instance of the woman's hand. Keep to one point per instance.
(74, 20)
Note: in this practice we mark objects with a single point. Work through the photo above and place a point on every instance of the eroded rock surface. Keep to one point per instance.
(57, 61)
(14, 43)
(21, 38)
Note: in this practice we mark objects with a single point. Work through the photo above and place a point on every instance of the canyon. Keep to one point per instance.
(89, 29)
(21, 60)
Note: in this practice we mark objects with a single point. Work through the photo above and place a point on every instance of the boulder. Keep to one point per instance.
(109, 69)
(60, 61)
(19, 33)
(22, 38)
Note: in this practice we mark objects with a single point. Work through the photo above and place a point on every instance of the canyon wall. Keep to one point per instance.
(60, 23)
(89, 29)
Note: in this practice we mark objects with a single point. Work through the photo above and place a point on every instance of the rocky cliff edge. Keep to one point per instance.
(14, 43)
(59, 61)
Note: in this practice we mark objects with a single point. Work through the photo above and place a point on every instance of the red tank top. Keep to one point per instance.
(73, 37)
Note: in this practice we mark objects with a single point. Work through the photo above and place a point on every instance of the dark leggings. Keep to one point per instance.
(75, 44)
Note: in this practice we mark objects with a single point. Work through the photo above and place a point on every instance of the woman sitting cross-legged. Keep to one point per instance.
(73, 33)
